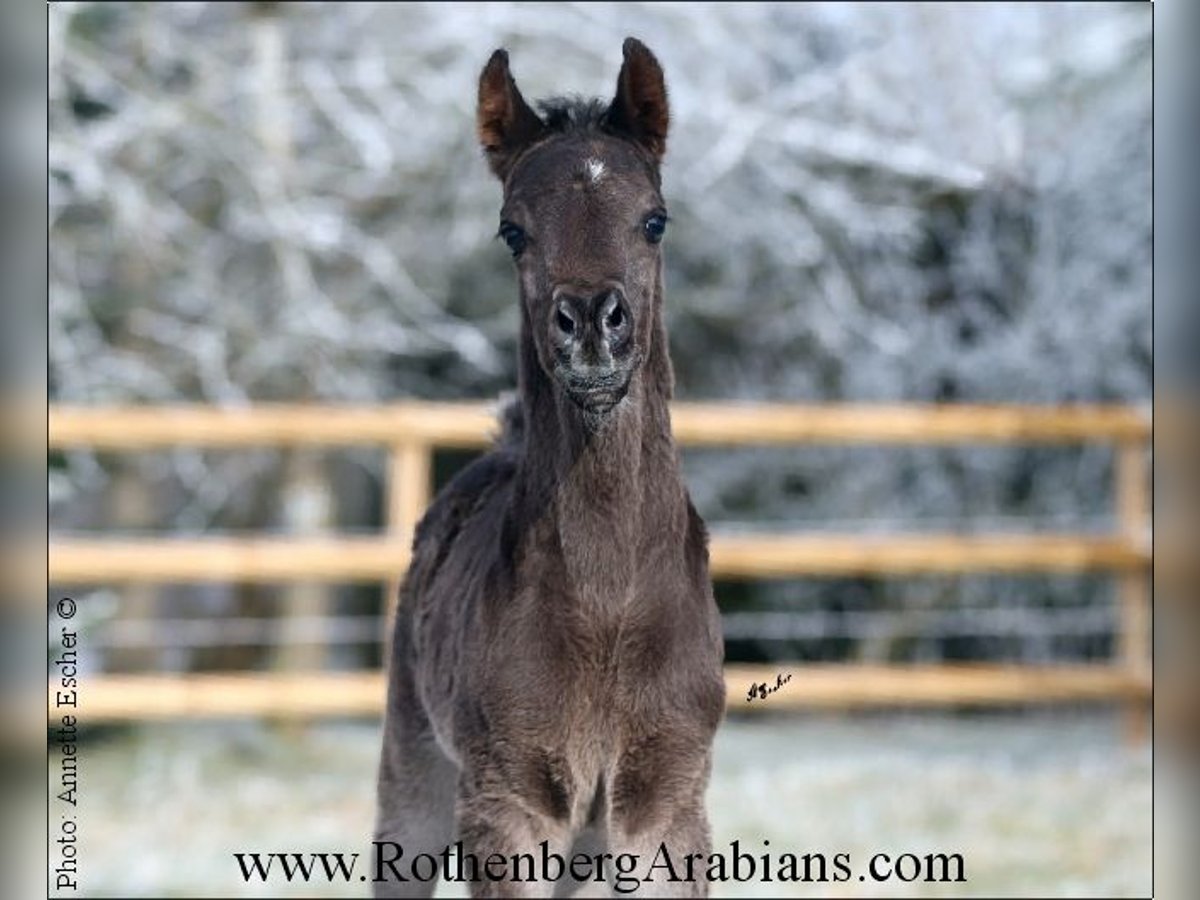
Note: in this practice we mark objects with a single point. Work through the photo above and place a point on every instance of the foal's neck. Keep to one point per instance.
(611, 488)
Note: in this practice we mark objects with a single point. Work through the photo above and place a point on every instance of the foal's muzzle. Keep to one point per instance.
(595, 391)
(593, 331)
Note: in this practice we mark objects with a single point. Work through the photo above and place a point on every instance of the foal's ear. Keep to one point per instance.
(640, 107)
(504, 121)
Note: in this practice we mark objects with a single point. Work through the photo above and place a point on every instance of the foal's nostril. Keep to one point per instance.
(564, 321)
(611, 314)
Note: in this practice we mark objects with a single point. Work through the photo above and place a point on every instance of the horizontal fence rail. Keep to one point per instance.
(694, 424)
(814, 686)
(347, 560)
(411, 431)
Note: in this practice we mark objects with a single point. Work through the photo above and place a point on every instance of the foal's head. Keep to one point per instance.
(584, 218)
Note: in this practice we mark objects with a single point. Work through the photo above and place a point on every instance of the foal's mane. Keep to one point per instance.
(573, 114)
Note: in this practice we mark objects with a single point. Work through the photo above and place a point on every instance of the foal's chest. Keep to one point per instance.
(595, 650)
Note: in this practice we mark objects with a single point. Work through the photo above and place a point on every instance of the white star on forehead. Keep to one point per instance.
(595, 169)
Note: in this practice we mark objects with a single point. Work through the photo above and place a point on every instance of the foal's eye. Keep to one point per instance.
(514, 236)
(654, 227)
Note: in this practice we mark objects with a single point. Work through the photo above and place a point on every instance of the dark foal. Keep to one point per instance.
(556, 661)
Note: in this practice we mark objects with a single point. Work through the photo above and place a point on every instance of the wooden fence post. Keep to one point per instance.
(133, 507)
(410, 471)
(1133, 512)
(308, 509)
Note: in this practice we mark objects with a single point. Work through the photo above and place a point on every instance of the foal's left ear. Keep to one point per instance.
(640, 107)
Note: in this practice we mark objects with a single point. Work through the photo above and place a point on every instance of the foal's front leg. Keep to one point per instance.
(658, 815)
(415, 789)
(502, 815)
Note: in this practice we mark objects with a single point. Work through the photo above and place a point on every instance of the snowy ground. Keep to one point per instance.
(1038, 805)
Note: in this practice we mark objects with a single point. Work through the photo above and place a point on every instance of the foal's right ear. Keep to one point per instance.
(504, 121)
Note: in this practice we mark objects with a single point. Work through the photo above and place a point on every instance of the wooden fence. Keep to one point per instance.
(411, 431)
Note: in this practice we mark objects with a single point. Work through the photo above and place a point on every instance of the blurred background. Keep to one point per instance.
(903, 203)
